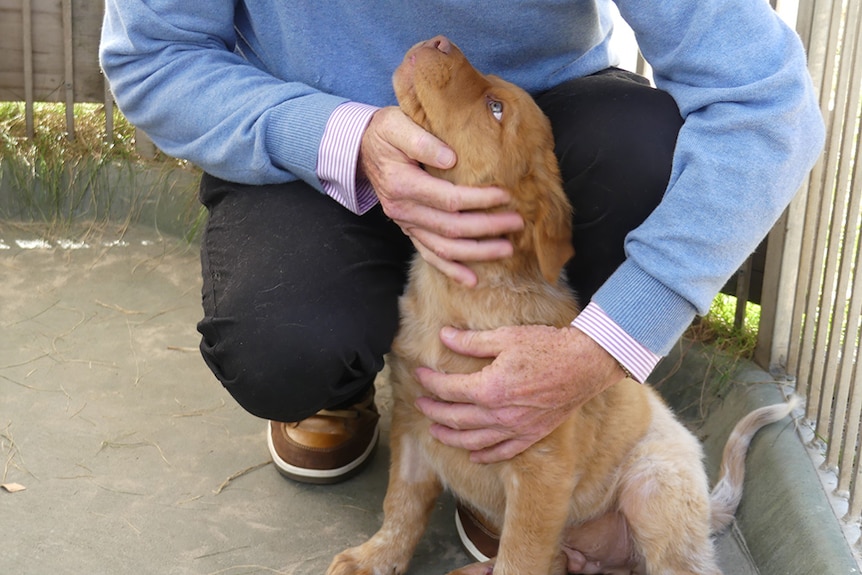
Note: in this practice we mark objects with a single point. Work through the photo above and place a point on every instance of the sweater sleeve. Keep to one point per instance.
(175, 72)
(752, 131)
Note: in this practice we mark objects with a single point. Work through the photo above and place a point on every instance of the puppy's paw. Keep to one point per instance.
(360, 561)
(348, 563)
(484, 568)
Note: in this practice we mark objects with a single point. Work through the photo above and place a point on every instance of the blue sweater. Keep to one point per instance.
(244, 90)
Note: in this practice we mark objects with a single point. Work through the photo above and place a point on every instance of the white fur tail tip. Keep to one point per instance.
(728, 489)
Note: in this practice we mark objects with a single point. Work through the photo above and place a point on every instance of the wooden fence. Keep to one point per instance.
(811, 296)
(50, 54)
(810, 328)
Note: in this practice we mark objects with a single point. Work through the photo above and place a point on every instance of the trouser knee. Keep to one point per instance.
(300, 296)
(287, 373)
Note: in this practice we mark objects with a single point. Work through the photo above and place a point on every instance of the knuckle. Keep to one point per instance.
(423, 142)
(391, 210)
(452, 202)
(441, 252)
(449, 230)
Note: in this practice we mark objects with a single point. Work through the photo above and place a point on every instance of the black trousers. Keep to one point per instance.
(300, 295)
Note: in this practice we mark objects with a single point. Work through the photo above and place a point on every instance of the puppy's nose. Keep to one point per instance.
(441, 43)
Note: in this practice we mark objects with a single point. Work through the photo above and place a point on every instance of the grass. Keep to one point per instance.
(50, 142)
(718, 327)
(57, 179)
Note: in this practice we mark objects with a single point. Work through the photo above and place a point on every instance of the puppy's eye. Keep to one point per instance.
(496, 108)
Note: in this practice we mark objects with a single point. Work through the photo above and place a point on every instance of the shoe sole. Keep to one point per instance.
(320, 476)
(469, 546)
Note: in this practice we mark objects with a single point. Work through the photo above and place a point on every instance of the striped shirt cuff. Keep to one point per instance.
(628, 352)
(338, 156)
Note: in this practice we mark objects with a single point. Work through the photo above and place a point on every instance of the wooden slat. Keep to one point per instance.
(848, 92)
(803, 351)
(27, 48)
(834, 201)
(743, 288)
(850, 380)
(69, 69)
(49, 36)
(109, 114)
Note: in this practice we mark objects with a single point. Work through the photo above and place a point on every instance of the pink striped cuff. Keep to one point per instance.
(338, 156)
(630, 354)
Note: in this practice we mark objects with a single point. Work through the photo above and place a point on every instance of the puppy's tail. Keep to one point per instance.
(727, 492)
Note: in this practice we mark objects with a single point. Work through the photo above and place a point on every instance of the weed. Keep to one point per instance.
(718, 327)
(51, 177)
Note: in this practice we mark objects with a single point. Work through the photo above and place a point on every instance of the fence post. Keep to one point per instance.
(27, 47)
(69, 69)
(144, 145)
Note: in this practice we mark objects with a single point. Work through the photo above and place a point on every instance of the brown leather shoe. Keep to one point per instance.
(328, 447)
(479, 539)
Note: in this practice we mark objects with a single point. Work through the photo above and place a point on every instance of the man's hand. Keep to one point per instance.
(539, 375)
(437, 215)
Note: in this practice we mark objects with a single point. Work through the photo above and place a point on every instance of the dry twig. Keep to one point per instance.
(239, 474)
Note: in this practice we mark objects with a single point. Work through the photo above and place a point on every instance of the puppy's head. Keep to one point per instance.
(501, 138)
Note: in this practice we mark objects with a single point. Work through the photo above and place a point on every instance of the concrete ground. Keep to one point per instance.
(120, 453)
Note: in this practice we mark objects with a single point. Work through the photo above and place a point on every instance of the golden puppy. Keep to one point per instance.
(623, 450)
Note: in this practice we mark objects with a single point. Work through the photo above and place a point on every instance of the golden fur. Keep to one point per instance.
(622, 450)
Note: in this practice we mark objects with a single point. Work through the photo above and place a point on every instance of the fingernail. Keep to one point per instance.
(448, 332)
(446, 158)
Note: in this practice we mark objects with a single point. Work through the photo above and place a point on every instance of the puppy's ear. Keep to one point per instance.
(552, 227)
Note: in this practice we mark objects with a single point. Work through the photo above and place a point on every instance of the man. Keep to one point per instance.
(317, 199)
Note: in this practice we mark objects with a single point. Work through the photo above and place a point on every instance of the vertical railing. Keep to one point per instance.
(812, 320)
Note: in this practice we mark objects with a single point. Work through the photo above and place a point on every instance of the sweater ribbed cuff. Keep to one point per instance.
(644, 308)
(634, 358)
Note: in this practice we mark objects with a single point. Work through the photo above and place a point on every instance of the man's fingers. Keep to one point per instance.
(450, 387)
(457, 388)
(474, 225)
(454, 270)
(472, 440)
(462, 249)
(484, 344)
(392, 129)
(443, 195)
(501, 451)
(456, 416)
(422, 146)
